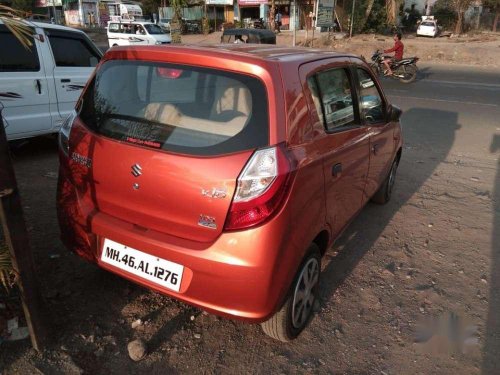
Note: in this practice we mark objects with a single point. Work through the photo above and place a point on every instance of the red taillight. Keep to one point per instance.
(247, 209)
(169, 73)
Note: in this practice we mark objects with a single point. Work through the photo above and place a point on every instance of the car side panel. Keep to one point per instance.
(26, 96)
(349, 148)
(383, 145)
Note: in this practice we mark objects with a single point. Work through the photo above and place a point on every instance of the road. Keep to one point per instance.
(451, 168)
(431, 253)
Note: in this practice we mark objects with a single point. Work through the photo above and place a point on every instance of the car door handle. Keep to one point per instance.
(38, 86)
(337, 170)
(375, 148)
(65, 80)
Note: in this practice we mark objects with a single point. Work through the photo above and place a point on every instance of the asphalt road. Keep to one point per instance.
(451, 127)
(469, 94)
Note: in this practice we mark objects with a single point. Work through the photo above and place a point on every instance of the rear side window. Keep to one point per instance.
(332, 96)
(72, 52)
(16, 58)
(178, 108)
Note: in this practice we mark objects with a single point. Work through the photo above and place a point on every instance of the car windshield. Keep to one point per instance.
(154, 29)
(428, 24)
(179, 108)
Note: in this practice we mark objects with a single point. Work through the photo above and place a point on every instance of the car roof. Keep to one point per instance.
(44, 25)
(255, 52)
(133, 22)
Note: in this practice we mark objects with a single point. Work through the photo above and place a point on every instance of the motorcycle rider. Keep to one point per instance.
(398, 53)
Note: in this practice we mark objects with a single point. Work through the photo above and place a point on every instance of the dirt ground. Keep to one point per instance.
(480, 49)
(406, 290)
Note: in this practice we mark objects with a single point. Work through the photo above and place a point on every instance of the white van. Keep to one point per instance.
(130, 33)
(40, 86)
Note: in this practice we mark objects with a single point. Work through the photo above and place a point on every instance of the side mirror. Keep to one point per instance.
(394, 113)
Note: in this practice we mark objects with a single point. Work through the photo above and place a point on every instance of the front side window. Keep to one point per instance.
(332, 96)
(371, 104)
(178, 108)
(114, 28)
(154, 29)
(16, 58)
(72, 52)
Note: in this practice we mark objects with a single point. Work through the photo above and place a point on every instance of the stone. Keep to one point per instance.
(137, 349)
(136, 323)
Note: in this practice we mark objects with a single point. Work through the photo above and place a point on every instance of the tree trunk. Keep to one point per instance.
(175, 27)
(497, 16)
(367, 13)
(460, 23)
(390, 6)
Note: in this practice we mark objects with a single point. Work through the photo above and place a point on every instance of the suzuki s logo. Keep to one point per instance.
(136, 170)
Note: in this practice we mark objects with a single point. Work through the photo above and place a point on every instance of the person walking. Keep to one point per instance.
(277, 20)
(92, 19)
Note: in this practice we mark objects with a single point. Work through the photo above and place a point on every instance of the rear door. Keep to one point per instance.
(24, 91)
(168, 143)
(343, 143)
(373, 109)
(75, 59)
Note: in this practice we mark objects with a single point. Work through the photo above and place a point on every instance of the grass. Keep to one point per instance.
(6, 270)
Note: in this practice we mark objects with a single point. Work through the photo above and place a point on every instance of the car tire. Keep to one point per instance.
(384, 193)
(287, 323)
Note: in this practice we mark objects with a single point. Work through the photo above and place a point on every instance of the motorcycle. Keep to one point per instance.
(405, 70)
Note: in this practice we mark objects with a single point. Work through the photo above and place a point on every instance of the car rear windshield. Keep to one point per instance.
(177, 108)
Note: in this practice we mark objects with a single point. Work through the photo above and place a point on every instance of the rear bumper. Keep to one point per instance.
(243, 275)
(425, 32)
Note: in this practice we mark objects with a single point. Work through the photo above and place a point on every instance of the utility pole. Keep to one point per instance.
(352, 18)
(294, 22)
(80, 13)
(16, 238)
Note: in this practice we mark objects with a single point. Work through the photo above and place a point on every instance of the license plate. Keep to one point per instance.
(149, 267)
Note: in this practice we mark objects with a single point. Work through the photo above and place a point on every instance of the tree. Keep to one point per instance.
(494, 6)
(392, 7)
(148, 6)
(368, 11)
(176, 23)
(24, 5)
(272, 15)
(460, 7)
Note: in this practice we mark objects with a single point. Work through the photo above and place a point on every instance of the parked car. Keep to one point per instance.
(132, 33)
(255, 36)
(40, 18)
(428, 27)
(221, 175)
(40, 86)
(164, 23)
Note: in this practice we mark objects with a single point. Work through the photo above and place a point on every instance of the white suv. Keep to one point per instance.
(40, 86)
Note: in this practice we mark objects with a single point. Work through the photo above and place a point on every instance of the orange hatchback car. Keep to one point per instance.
(219, 175)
